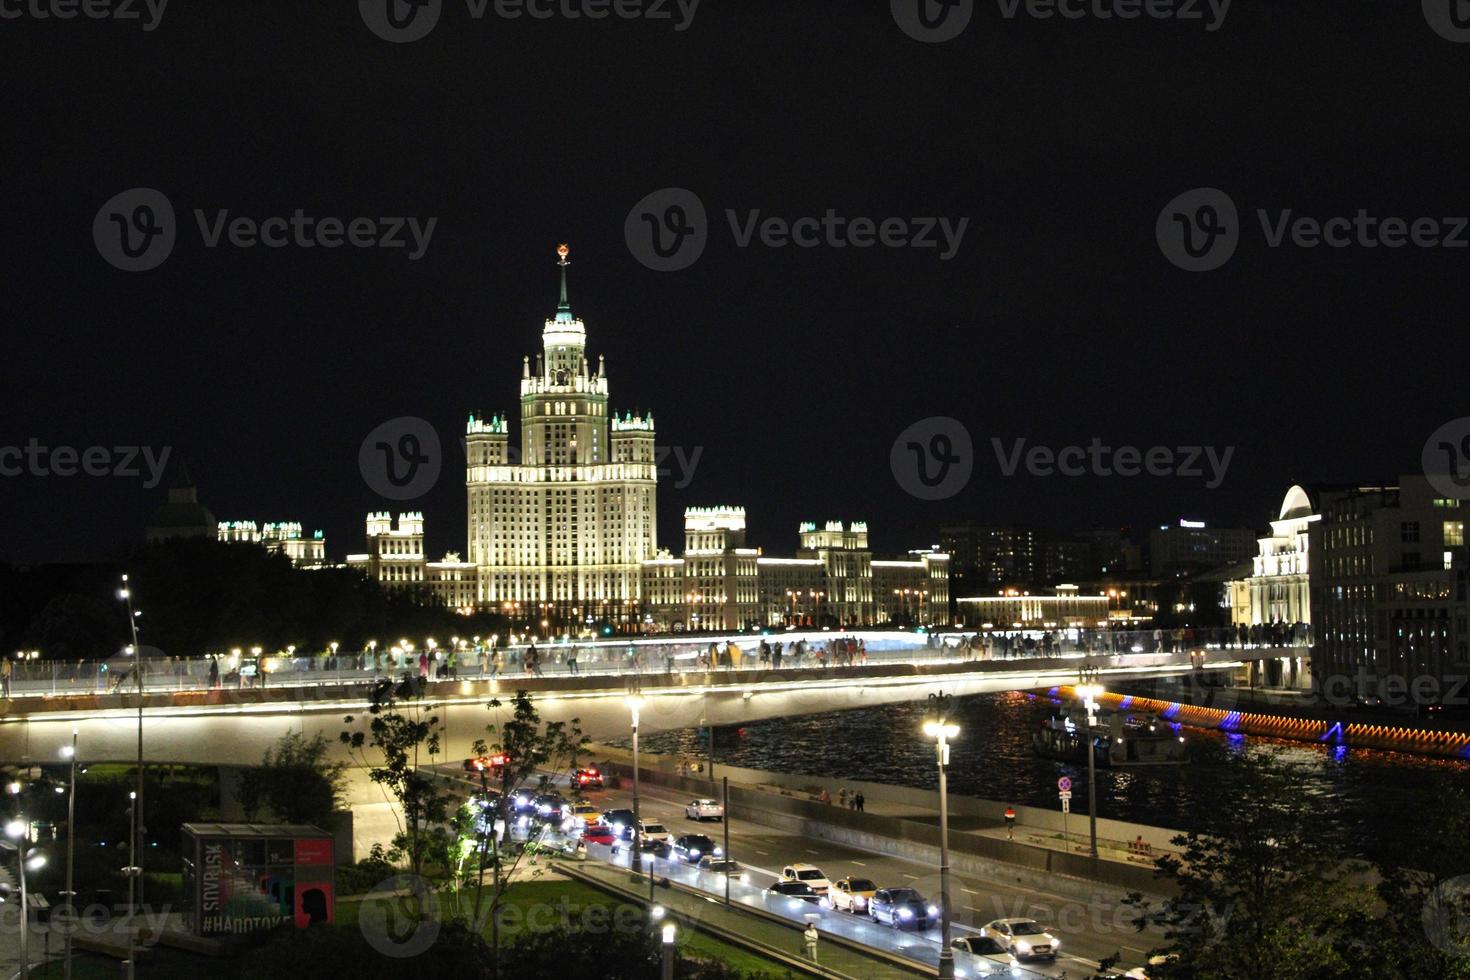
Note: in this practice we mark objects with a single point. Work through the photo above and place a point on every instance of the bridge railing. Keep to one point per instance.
(163, 674)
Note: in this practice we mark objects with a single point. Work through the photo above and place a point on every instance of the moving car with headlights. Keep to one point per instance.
(992, 958)
(598, 833)
(692, 847)
(621, 822)
(589, 778)
(794, 890)
(656, 846)
(585, 812)
(901, 907)
(703, 810)
(551, 808)
(850, 894)
(723, 866)
(1025, 939)
(809, 874)
(655, 831)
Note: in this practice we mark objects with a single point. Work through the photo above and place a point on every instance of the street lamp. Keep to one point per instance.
(69, 753)
(634, 701)
(669, 930)
(942, 730)
(127, 596)
(1090, 690)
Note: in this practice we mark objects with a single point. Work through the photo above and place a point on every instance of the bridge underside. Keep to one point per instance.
(233, 727)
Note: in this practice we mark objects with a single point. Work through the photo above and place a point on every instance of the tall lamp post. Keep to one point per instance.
(939, 728)
(33, 860)
(136, 865)
(634, 701)
(69, 752)
(1090, 690)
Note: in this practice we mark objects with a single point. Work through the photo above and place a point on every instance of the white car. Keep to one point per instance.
(807, 874)
(1025, 939)
(655, 831)
(704, 810)
(851, 895)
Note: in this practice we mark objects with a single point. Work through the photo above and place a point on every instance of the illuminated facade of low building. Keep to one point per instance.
(720, 583)
(1066, 607)
(562, 523)
(395, 559)
(285, 537)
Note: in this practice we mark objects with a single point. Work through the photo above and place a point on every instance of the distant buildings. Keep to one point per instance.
(285, 537)
(1065, 607)
(833, 580)
(1191, 547)
(395, 559)
(1387, 578)
(183, 516)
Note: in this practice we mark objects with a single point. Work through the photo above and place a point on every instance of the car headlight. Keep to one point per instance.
(617, 827)
(694, 852)
(745, 878)
(1022, 946)
(933, 910)
(905, 913)
(858, 901)
(719, 851)
(1055, 943)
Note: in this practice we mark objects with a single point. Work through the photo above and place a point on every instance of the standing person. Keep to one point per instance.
(776, 656)
(809, 941)
(859, 802)
(842, 797)
(6, 669)
(213, 671)
(572, 660)
(423, 665)
(1010, 816)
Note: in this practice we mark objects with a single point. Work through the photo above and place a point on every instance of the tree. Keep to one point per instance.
(295, 781)
(531, 752)
(401, 737)
(1262, 889)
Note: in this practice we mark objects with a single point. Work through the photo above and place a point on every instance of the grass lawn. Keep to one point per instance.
(547, 901)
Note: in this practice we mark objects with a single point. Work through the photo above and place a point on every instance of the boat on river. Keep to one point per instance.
(1120, 739)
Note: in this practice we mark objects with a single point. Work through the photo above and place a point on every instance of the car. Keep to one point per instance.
(656, 846)
(655, 831)
(850, 894)
(703, 810)
(809, 873)
(621, 821)
(598, 833)
(589, 778)
(900, 907)
(523, 804)
(796, 891)
(585, 812)
(551, 807)
(1025, 939)
(723, 866)
(692, 847)
(992, 959)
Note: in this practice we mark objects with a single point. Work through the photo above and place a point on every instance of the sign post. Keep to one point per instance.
(1064, 793)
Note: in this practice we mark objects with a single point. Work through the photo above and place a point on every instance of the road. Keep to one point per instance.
(1087, 932)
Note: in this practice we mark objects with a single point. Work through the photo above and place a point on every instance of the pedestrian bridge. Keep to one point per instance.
(195, 724)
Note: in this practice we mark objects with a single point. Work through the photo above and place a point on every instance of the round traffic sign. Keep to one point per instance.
(1064, 784)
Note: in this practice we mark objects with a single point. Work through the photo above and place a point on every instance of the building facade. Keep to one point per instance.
(1387, 580)
(1277, 589)
(564, 521)
(1191, 546)
(285, 537)
(1065, 607)
(720, 583)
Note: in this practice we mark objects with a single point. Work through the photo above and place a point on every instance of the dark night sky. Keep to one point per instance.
(1058, 321)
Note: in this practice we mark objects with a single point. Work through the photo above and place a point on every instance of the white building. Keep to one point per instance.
(562, 523)
(1065, 607)
(1277, 589)
(286, 537)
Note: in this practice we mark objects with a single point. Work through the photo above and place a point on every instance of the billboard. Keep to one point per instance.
(248, 877)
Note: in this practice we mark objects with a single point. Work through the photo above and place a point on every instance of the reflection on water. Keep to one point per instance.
(1372, 791)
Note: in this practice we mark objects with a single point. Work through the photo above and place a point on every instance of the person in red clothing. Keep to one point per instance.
(1010, 823)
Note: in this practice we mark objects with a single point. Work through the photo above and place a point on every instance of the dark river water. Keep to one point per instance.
(1373, 792)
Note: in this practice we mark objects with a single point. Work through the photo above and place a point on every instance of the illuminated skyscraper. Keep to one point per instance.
(562, 522)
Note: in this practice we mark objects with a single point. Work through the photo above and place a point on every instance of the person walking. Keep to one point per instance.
(809, 941)
(572, 660)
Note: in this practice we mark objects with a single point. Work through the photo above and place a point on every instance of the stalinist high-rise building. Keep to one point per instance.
(560, 525)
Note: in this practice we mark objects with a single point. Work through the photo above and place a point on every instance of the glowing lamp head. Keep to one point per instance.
(669, 927)
(15, 829)
(935, 729)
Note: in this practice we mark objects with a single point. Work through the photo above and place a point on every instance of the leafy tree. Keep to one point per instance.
(1261, 888)
(609, 955)
(403, 741)
(295, 781)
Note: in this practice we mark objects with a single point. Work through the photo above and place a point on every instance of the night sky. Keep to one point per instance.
(791, 370)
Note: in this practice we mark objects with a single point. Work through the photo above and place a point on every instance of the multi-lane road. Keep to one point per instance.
(1088, 932)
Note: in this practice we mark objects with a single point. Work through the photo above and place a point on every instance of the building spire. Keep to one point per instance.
(563, 306)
